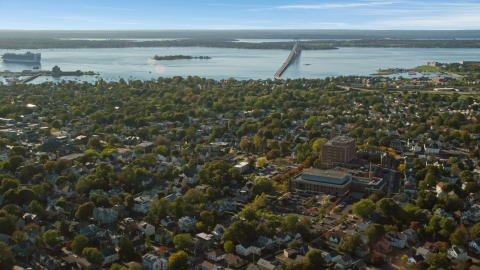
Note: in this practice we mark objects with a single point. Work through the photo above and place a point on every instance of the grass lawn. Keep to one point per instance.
(427, 68)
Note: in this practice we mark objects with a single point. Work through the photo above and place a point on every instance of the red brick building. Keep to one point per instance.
(339, 150)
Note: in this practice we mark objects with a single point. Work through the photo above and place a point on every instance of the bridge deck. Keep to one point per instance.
(295, 50)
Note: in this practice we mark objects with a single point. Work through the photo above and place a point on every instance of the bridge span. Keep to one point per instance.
(295, 52)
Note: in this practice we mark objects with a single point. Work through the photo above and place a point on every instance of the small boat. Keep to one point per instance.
(36, 67)
(306, 64)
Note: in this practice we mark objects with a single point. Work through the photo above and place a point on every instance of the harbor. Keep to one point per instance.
(26, 76)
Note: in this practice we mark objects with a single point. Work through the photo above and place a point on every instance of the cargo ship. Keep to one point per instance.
(27, 57)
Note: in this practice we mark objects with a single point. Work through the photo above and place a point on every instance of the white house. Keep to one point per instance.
(141, 204)
(243, 249)
(456, 253)
(229, 204)
(152, 261)
(145, 229)
(105, 215)
(396, 239)
(187, 223)
(167, 222)
(216, 255)
(474, 246)
(282, 238)
(109, 255)
(242, 167)
(432, 148)
(363, 224)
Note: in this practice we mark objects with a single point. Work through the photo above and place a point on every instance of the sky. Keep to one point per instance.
(245, 14)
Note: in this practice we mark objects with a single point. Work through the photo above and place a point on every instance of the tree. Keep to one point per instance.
(249, 213)
(37, 208)
(262, 162)
(389, 208)
(316, 259)
(160, 150)
(207, 218)
(229, 246)
(437, 260)
(125, 248)
(194, 196)
(364, 208)
(50, 236)
(182, 241)
(448, 226)
(374, 232)
(17, 151)
(214, 193)
(350, 244)
(177, 260)
(85, 211)
(475, 231)
(117, 266)
(458, 238)
(93, 255)
(7, 261)
(158, 211)
(8, 224)
(115, 200)
(8, 184)
(79, 243)
(135, 266)
(377, 259)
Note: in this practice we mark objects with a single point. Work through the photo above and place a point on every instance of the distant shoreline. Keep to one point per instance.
(52, 43)
(179, 57)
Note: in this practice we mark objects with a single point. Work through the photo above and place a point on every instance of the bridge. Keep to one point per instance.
(295, 52)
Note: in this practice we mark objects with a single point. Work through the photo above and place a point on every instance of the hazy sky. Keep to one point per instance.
(246, 14)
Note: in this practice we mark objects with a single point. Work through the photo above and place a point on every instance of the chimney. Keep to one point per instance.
(370, 171)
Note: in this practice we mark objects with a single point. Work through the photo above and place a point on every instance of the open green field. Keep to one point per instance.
(427, 68)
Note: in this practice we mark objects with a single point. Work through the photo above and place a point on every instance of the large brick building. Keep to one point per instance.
(319, 181)
(338, 151)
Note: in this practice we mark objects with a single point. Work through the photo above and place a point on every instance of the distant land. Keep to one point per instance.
(54, 43)
(179, 57)
(247, 34)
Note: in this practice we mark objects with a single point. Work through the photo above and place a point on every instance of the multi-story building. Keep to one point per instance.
(318, 181)
(187, 223)
(339, 150)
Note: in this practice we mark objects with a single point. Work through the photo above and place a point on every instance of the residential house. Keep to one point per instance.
(31, 218)
(109, 255)
(161, 232)
(54, 211)
(145, 229)
(167, 222)
(141, 204)
(216, 255)
(206, 265)
(411, 235)
(229, 204)
(396, 239)
(23, 248)
(45, 260)
(218, 231)
(31, 235)
(263, 264)
(456, 253)
(282, 238)
(362, 250)
(90, 231)
(473, 213)
(330, 257)
(335, 238)
(105, 215)
(431, 247)
(266, 242)
(359, 265)
(8, 241)
(415, 259)
(187, 224)
(362, 224)
(152, 261)
(474, 246)
(233, 260)
(289, 255)
(243, 249)
(139, 245)
(205, 239)
(422, 252)
(384, 249)
(345, 260)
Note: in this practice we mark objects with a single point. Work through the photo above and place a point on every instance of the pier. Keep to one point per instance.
(31, 75)
(295, 51)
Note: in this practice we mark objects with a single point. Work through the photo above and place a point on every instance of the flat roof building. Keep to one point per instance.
(318, 181)
(339, 150)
